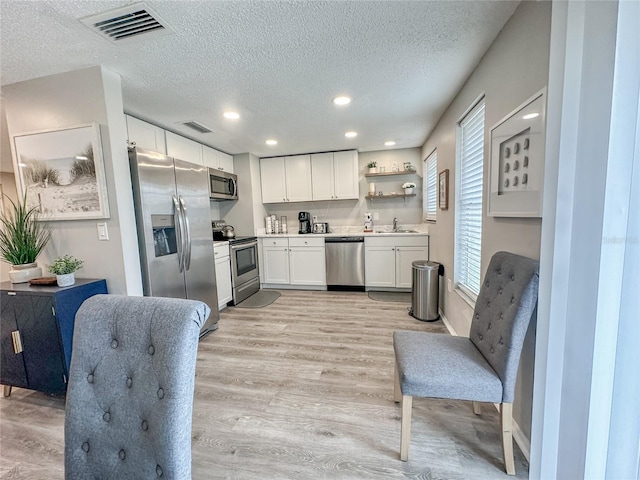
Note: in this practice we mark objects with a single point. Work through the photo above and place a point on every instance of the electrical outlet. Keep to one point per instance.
(376, 216)
(449, 285)
(315, 218)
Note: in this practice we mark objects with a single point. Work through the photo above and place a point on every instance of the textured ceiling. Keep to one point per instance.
(279, 64)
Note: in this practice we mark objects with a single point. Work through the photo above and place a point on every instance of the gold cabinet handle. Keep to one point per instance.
(17, 342)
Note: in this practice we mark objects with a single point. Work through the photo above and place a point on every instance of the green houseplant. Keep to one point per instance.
(372, 166)
(64, 269)
(22, 238)
(408, 187)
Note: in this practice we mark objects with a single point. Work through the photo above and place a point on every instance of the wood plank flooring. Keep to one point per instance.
(300, 389)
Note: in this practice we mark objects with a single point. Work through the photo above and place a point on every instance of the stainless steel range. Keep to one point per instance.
(245, 272)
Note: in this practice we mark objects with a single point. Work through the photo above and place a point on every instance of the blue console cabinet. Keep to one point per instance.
(36, 333)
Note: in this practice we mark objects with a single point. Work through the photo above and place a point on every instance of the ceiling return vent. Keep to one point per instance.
(198, 127)
(133, 22)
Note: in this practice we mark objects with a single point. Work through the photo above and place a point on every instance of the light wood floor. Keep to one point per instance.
(301, 389)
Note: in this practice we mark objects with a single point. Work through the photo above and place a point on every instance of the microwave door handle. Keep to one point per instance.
(177, 220)
(235, 187)
(187, 239)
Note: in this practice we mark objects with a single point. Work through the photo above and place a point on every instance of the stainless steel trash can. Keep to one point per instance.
(424, 290)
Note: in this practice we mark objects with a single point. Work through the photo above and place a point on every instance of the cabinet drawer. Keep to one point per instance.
(220, 251)
(307, 241)
(275, 242)
(412, 240)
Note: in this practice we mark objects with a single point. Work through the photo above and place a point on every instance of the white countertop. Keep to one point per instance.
(342, 231)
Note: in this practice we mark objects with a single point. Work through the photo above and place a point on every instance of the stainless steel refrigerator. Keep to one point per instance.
(173, 217)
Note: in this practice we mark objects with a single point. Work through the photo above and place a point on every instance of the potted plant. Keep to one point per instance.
(64, 269)
(22, 238)
(373, 167)
(408, 187)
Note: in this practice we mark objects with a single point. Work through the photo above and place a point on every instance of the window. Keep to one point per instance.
(469, 200)
(430, 187)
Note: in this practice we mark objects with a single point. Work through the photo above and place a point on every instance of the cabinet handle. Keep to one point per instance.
(17, 342)
(220, 168)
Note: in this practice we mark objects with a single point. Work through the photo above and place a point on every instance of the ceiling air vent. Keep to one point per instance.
(132, 22)
(198, 127)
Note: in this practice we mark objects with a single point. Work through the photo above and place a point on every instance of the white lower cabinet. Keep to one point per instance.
(388, 260)
(293, 261)
(223, 275)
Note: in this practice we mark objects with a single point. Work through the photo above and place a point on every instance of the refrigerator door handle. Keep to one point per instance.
(187, 239)
(177, 218)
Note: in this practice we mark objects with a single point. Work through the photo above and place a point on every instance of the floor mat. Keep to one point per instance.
(401, 297)
(260, 299)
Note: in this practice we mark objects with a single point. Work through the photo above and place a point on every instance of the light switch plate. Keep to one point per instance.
(376, 216)
(103, 232)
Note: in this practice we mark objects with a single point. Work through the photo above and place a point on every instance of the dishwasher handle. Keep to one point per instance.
(344, 240)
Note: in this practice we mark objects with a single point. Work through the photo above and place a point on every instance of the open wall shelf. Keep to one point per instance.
(389, 174)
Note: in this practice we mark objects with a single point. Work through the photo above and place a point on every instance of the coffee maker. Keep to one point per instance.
(305, 222)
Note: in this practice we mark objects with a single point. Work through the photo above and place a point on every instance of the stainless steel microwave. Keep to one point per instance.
(222, 185)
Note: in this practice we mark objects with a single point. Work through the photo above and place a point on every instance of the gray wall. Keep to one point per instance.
(514, 68)
(91, 95)
(351, 212)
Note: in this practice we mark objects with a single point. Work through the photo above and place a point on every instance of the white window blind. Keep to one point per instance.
(469, 200)
(430, 187)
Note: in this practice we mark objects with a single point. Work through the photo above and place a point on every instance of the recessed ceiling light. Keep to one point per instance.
(530, 115)
(231, 115)
(81, 157)
(271, 142)
(389, 143)
(351, 134)
(342, 100)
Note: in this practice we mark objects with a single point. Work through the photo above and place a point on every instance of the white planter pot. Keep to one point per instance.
(373, 170)
(66, 280)
(408, 191)
(24, 273)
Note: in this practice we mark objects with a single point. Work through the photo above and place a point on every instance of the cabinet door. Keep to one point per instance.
(225, 162)
(223, 282)
(307, 266)
(272, 180)
(322, 176)
(183, 148)
(210, 157)
(405, 256)
(43, 357)
(276, 265)
(145, 135)
(12, 370)
(298, 169)
(345, 168)
(380, 266)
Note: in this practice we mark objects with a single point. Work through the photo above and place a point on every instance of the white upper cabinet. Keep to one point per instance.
(272, 179)
(183, 148)
(215, 159)
(298, 178)
(286, 179)
(335, 175)
(145, 135)
(345, 170)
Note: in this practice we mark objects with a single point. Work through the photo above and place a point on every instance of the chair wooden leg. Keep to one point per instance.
(506, 422)
(7, 390)
(405, 427)
(397, 394)
(476, 408)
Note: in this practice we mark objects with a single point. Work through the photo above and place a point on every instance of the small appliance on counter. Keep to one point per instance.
(305, 222)
(368, 222)
(321, 227)
(222, 231)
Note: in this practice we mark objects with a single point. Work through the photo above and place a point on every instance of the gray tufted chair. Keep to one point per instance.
(130, 392)
(481, 368)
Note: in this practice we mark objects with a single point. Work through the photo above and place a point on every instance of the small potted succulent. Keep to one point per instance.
(373, 167)
(408, 187)
(64, 269)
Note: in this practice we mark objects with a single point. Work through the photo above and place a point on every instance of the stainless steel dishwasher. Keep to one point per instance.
(345, 263)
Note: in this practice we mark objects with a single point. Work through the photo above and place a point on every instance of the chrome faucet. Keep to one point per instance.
(395, 224)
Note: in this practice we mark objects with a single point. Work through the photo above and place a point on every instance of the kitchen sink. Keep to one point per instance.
(397, 231)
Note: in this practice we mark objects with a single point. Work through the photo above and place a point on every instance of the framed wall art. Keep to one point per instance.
(443, 189)
(62, 172)
(517, 161)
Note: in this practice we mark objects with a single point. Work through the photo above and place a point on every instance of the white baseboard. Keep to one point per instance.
(518, 435)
